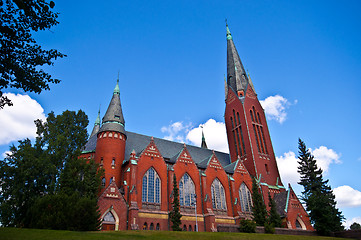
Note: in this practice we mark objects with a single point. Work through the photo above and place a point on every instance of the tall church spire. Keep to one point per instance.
(237, 78)
(113, 119)
(96, 125)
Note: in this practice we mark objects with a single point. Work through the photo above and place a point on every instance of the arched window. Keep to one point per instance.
(218, 195)
(103, 182)
(184, 228)
(190, 228)
(300, 224)
(157, 227)
(245, 198)
(109, 218)
(151, 187)
(186, 191)
(151, 227)
(145, 226)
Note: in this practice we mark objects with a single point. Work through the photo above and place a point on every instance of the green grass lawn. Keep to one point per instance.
(37, 234)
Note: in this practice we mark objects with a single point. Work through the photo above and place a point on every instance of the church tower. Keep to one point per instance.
(247, 131)
(111, 139)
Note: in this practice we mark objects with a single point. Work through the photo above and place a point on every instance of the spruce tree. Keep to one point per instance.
(175, 215)
(259, 208)
(317, 194)
(273, 217)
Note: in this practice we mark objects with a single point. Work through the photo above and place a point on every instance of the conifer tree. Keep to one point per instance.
(317, 194)
(175, 215)
(259, 208)
(273, 217)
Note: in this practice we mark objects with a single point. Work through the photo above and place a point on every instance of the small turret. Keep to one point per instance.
(96, 125)
(111, 139)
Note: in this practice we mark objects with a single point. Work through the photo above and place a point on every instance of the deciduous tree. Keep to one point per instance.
(51, 174)
(20, 54)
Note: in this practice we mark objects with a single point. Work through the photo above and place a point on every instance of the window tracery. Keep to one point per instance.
(151, 187)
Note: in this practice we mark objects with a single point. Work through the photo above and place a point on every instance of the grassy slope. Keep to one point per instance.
(36, 234)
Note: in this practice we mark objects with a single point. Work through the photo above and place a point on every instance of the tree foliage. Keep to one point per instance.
(317, 194)
(20, 55)
(247, 226)
(355, 226)
(274, 219)
(50, 173)
(175, 215)
(259, 208)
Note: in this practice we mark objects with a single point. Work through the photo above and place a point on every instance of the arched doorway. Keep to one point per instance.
(110, 220)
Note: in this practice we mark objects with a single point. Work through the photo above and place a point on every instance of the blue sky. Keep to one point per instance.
(304, 58)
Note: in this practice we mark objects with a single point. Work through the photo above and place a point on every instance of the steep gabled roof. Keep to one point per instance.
(281, 201)
(231, 167)
(169, 150)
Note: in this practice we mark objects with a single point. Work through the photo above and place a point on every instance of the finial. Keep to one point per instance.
(116, 89)
(97, 121)
(229, 36)
(184, 145)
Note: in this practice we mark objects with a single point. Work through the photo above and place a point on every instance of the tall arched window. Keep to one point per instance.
(245, 198)
(186, 191)
(218, 195)
(151, 187)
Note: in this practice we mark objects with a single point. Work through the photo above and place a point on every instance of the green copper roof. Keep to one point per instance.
(116, 89)
(229, 36)
(97, 121)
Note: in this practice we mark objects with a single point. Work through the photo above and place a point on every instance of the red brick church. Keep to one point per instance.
(215, 187)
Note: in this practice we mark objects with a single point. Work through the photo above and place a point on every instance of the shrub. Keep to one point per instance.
(247, 226)
(269, 228)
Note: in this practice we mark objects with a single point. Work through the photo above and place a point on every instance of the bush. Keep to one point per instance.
(64, 212)
(269, 228)
(247, 226)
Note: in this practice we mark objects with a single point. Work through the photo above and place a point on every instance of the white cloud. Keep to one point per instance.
(214, 134)
(176, 131)
(325, 157)
(17, 121)
(287, 164)
(350, 221)
(275, 107)
(346, 196)
(5, 154)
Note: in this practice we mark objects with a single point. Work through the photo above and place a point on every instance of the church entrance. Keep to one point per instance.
(108, 222)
